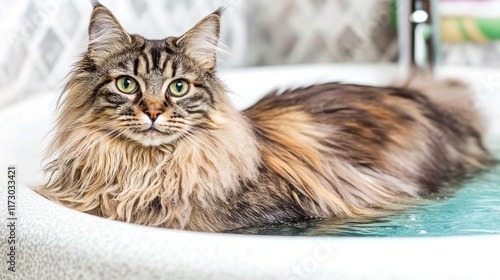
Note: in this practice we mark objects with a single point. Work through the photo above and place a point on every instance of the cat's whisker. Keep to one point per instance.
(95, 125)
(200, 142)
(73, 128)
(211, 134)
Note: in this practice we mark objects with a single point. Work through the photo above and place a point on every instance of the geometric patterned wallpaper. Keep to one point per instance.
(41, 39)
(320, 31)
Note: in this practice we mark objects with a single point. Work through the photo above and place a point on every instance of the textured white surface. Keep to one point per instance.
(58, 243)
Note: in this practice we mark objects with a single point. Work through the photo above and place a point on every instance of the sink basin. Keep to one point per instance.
(53, 242)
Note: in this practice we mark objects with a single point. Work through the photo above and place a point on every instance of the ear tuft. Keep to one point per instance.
(220, 11)
(95, 3)
(106, 35)
(200, 42)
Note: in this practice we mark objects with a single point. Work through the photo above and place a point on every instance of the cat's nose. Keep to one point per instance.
(153, 113)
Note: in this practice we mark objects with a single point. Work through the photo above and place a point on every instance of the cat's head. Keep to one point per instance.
(153, 92)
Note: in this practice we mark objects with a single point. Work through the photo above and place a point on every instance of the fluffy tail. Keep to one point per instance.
(455, 97)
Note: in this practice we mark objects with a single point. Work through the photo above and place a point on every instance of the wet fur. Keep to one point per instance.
(330, 150)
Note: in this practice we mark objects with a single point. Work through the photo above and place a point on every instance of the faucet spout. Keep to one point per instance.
(418, 35)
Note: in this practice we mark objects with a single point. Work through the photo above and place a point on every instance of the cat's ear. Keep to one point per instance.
(106, 35)
(200, 42)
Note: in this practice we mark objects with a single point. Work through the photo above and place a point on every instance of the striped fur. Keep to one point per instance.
(330, 150)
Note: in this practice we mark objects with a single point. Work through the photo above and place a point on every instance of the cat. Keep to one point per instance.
(147, 134)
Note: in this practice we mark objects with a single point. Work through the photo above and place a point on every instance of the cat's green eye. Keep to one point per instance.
(126, 84)
(178, 88)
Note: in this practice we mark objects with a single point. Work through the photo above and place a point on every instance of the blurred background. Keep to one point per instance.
(42, 39)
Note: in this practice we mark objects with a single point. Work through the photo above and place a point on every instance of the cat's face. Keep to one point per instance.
(150, 91)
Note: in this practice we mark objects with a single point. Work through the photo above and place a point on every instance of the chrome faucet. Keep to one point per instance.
(418, 35)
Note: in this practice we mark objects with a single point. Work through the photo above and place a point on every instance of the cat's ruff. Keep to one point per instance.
(166, 147)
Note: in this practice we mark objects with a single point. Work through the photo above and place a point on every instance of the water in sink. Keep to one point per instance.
(471, 209)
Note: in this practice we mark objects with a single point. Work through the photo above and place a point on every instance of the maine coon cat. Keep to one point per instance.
(147, 134)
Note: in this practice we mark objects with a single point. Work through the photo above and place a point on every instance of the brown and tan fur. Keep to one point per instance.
(330, 150)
